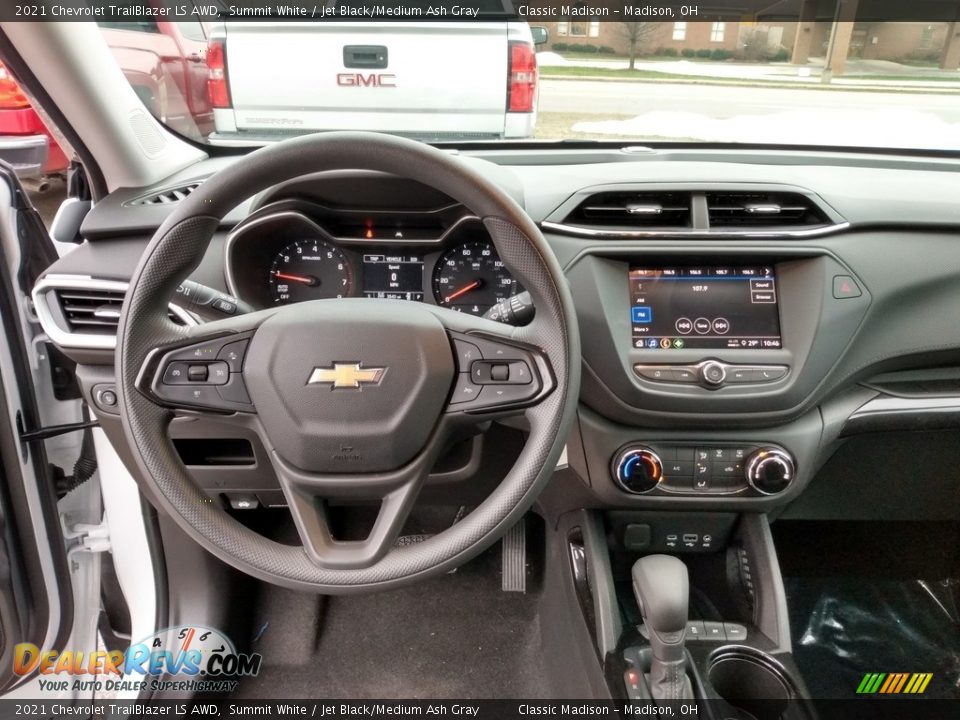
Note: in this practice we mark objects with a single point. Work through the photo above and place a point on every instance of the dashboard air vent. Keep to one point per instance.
(167, 195)
(634, 210)
(94, 311)
(763, 210)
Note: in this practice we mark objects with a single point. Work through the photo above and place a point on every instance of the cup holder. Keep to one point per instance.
(752, 682)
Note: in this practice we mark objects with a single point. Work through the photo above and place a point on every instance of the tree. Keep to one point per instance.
(636, 34)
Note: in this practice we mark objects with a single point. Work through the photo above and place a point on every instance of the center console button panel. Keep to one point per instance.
(712, 374)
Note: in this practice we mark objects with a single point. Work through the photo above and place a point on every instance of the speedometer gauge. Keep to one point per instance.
(310, 270)
(472, 278)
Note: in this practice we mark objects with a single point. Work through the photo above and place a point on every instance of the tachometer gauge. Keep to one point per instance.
(310, 270)
(472, 278)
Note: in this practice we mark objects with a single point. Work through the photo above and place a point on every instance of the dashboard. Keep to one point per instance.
(741, 312)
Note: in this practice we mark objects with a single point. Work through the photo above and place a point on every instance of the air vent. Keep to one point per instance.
(94, 312)
(78, 311)
(763, 210)
(633, 210)
(167, 196)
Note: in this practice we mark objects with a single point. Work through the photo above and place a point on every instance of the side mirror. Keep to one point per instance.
(540, 34)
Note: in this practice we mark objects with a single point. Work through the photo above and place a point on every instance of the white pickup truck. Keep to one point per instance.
(473, 80)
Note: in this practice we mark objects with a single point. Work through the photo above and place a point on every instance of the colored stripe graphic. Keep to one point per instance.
(894, 683)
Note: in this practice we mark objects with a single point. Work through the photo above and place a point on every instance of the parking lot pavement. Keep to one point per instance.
(601, 108)
(48, 201)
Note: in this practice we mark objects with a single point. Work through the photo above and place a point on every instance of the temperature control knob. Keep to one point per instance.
(637, 469)
(770, 470)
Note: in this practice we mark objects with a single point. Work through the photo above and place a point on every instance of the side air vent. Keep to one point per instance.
(83, 312)
(763, 210)
(167, 196)
(94, 311)
(633, 210)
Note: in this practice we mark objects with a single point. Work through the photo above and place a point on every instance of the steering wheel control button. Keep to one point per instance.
(503, 372)
(845, 287)
(197, 373)
(465, 390)
(466, 353)
(770, 470)
(232, 354)
(712, 373)
(176, 374)
(637, 470)
(234, 390)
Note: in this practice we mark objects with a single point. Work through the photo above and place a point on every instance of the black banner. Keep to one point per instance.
(894, 708)
(532, 11)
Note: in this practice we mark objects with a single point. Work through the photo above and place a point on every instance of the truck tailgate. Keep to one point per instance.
(440, 79)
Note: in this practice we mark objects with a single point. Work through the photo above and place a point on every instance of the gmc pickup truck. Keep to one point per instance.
(430, 81)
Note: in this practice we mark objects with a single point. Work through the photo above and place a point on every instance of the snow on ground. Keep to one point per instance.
(873, 127)
(550, 59)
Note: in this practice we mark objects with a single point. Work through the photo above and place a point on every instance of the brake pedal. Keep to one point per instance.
(514, 558)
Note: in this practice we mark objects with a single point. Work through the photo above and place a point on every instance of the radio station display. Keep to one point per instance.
(705, 307)
(393, 277)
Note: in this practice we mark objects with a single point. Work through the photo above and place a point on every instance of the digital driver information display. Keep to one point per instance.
(704, 307)
(393, 277)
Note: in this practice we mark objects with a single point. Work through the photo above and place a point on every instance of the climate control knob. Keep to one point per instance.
(770, 470)
(637, 469)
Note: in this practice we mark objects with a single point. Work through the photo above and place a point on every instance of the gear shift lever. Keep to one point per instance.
(662, 590)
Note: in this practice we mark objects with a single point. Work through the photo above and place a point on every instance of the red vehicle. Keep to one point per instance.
(25, 142)
(165, 64)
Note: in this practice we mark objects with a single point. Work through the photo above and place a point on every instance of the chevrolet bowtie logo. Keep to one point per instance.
(346, 375)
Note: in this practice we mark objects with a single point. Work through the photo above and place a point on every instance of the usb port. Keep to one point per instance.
(690, 538)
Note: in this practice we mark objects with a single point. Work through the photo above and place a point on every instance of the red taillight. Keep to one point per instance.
(11, 96)
(217, 87)
(522, 78)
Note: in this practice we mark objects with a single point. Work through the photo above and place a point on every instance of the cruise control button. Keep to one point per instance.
(197, 373)
(176, 374)
(232, 354)
(197, 395)
(465, 390)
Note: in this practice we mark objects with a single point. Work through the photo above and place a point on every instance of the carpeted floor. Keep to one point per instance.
(454, 636)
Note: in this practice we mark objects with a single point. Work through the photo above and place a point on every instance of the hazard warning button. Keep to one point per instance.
(844, 287)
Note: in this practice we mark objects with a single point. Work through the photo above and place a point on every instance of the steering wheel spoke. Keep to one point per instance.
(311, 496)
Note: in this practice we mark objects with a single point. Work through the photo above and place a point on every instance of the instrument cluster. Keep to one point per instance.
(289, 256)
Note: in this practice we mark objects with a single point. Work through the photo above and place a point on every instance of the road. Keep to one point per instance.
(758, 114)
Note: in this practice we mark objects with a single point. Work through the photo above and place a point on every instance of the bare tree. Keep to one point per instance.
(636, 34)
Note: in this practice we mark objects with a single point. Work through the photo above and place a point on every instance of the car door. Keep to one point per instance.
(36, 601)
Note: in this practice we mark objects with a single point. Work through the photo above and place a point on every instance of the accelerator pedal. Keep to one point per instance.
(514, 558)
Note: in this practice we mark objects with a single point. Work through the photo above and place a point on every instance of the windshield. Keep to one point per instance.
(790, 76)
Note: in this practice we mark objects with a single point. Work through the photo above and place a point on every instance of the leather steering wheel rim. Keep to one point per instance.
(176, 250)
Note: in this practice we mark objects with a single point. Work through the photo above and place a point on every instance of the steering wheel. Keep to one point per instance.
(354, 399)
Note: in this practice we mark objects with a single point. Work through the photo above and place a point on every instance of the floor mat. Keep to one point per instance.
(845, 628)
(457, 636)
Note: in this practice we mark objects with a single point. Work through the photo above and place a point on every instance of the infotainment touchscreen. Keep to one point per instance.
(704, 307)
